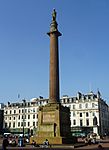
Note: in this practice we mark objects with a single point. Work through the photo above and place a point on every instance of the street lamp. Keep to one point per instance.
(24, 102)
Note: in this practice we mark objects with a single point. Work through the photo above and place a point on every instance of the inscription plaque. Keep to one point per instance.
(48, 117)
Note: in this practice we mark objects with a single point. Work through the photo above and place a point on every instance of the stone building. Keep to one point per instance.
(20, 115)
(89, 113)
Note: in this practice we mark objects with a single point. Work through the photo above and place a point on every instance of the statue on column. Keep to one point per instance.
(53, 26)
(54, 15)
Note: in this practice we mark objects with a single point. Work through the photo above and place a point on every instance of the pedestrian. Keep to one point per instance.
(5, 143)
(46, 143)
(33, 143)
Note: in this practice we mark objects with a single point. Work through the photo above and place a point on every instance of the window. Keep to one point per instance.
(28, 116)
(14, 118)
(34, 116)
(22, 111)
(24, 123)
(74, 113)
(13, 124)
(18, 124)
(93, 105)
(21, 123)
(28, 124)
(63, 100)
(93, 113)
(19, 116)
(86, 105)
(10, 111)
(87, 122)
(37, 115)
(19, 111)
(14, 111)
(80, 105)
(95, 121)
(5, 125)
(6, 112)
(87, 114)
(80, 114)
(74, 122)
(73, 106)
(34, 124)
(68, 100)
(81, 122)
(9, 118)
(33, 109)
(10, 125)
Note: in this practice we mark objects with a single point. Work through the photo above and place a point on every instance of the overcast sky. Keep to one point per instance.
(24, 47)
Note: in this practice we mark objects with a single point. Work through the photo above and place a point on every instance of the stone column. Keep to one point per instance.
(54, 61)
(53, 118)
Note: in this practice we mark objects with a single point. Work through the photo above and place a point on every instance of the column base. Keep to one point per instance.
(54, 140)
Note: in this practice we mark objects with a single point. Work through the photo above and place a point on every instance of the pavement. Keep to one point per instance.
(78, 146)
(95, 147)
(105, 146)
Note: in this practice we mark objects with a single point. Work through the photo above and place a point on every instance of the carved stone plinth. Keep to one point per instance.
(53, 124)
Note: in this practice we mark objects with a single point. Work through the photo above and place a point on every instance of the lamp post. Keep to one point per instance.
(24, 101)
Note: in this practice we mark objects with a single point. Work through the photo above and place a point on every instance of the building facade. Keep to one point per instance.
(19, 116)
(89, 113)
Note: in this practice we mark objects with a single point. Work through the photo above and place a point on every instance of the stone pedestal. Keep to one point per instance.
(53, 124)
(95, 130)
